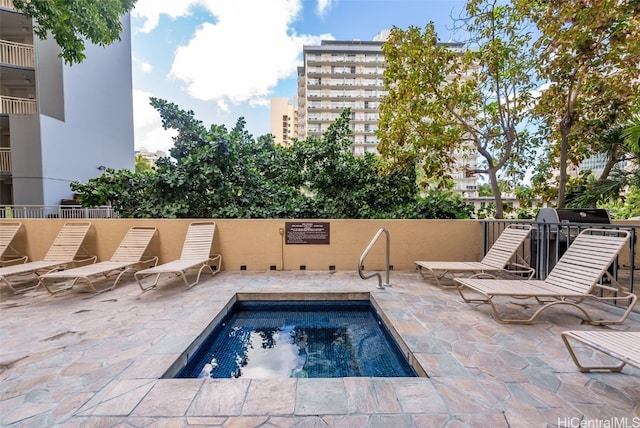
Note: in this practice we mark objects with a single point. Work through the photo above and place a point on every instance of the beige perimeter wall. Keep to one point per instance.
(257, 245)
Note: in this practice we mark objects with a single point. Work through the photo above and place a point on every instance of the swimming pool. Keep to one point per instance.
(315, 339)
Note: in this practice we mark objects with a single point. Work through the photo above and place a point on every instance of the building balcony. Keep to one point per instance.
(342, 62)
(14, 105)
(17, 54)
(5, 159)
(7, 4)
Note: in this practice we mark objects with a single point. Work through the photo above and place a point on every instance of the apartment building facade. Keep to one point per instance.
(338, 75)
(60, 123)
(283, 115)
(350, 74)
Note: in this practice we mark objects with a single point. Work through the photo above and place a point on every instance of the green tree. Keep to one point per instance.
(343, 185)
(626, 207)
(230, 176)
(191, 132)
(612, 184)
(588, 54)
(631, 206)
(142, 164)
(71, 22)
(484, 189)
(129, 193)
(631, 134)
(443, 99)
(435, 203)
(220, 173)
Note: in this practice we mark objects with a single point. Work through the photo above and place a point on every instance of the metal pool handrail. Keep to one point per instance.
(366, 252)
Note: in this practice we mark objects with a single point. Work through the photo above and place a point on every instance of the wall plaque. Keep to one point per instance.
(307, 233)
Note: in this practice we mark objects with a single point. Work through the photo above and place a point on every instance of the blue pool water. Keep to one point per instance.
(299, 339)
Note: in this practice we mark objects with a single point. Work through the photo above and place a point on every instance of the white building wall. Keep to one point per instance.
(97, 125)
(26, 157)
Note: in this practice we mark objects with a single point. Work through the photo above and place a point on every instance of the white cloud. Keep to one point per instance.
(146, 67)
(151, 10)
(238, 55)
(148, 131)
(324, 6)
(244, 54)
(536, 93)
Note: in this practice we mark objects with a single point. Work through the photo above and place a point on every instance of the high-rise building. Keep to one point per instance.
(338, 75)
(595, 165)
(283, 121)
(60, 123)
(349, 74)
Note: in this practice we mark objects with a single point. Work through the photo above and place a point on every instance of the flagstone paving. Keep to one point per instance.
(80, 359)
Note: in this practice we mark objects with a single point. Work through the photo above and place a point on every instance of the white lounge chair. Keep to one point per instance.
(128, 257)
(8, 254)
(196, 255)
(66, 250)
(623, 346)
(574, 279)
(499, 257)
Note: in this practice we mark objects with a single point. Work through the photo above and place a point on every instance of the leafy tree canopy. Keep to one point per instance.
(142, 164)
(631, 205)
(71, 22)
(588, 55)
(220, 173)
(444, 99)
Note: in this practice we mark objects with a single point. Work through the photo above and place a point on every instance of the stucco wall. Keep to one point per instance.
(96, 128)
(258, 245)
(26, 159)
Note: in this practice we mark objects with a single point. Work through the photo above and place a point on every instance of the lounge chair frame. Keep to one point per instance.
(623, 346)
(8, 254)
(501, 258)
(66, 251)
(574, 279)
(196, 255)
(130, 256)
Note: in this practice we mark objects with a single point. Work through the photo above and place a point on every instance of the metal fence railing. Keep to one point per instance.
(56, 211)
(548, 241)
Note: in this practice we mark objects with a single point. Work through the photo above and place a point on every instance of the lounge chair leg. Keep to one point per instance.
(21, 290)
(59, 289)
(117, 279)
(468, 300)
(585, 369)
(140, 278)
(433, 275)
(24, 290)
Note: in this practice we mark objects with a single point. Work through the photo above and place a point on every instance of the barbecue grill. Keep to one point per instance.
(557, 227)
(573, 215)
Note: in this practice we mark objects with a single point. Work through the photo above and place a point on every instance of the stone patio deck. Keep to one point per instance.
(78, 359)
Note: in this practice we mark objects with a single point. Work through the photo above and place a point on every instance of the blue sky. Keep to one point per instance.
(225, 59)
